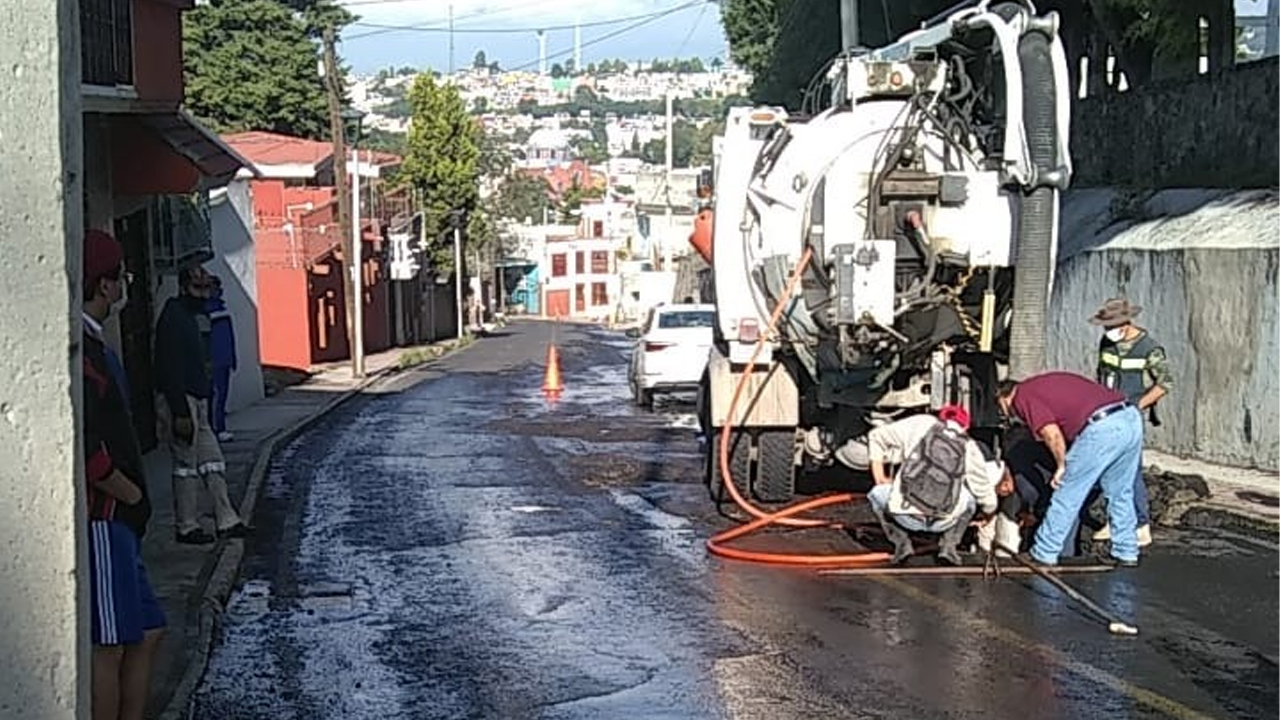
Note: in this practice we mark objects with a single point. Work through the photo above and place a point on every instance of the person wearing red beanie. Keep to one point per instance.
(126, 621)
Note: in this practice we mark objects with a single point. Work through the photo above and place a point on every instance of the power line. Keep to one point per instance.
(644, 20)
(383, 28)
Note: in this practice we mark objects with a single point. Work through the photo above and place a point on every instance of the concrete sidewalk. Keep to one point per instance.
(192, 581)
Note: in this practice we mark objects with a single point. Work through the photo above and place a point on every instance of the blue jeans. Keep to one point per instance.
(1107, 452)
(218, 403)
(1141, 503)
(878, 498)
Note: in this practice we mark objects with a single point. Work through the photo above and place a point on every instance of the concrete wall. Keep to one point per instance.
(44, 639)
(1203, 264)
(235, 261)
(1211, 131)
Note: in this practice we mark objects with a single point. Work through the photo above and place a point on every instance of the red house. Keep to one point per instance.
(302, 320)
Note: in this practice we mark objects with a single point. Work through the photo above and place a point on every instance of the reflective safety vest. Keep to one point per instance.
(1125, 371)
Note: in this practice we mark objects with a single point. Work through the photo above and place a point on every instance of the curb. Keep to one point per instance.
(226, 570)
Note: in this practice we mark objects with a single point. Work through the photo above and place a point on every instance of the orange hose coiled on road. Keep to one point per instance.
(785, 517)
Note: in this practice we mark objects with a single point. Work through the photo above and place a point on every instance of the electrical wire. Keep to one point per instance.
(381, 28)
(652, 17)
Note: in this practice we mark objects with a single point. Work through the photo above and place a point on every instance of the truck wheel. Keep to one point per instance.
(775, 480)
(739, 464)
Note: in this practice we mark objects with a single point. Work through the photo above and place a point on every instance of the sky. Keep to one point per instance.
(691, 29)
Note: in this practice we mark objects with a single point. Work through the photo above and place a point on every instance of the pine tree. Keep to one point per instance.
(442, 159)
(251, 65)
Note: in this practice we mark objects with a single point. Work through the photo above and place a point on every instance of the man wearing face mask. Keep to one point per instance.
(184, 368)
(126, 622)
(1133, 363)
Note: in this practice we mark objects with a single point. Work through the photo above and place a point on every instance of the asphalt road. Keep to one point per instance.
(453, 546)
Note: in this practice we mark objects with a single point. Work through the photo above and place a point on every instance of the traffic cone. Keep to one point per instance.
(552, 386)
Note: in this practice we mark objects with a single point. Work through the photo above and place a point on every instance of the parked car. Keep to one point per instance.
(671, 350)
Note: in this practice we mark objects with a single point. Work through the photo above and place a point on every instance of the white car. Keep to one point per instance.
(671, 350)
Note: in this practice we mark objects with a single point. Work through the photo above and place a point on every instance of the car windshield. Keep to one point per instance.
(687, 319)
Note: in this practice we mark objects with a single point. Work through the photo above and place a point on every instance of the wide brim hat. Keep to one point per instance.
(1115, 312)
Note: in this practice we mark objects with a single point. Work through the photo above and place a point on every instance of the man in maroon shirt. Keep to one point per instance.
(1095, 436)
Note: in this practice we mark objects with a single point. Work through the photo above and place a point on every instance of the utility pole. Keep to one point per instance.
(451, 38)
(666, 240)
(457, 267)
(337, 130)
(357, 268)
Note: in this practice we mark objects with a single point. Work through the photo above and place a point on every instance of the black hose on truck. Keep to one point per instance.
(1037, 223)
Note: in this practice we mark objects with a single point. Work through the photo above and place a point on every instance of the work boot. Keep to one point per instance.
(949, 542)
(902, 548)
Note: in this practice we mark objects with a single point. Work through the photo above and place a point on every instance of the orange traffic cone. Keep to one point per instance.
(552, 386)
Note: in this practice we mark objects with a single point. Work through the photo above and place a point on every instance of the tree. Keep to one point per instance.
(480, 62)
(493, 160)
(521, 197)
(441, 162)
(557, 70)
(320, 14)
(571, 200)
(717, 64)
(251, 65)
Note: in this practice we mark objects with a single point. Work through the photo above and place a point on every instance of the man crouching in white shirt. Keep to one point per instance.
(942, 478)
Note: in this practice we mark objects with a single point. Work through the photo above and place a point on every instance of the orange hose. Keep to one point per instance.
(717, 544)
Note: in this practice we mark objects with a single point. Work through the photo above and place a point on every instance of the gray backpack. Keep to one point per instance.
(932, 474)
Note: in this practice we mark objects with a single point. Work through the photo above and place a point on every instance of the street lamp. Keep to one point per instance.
(352, 119)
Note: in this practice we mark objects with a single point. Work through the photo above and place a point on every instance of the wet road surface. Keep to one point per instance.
(452, 546)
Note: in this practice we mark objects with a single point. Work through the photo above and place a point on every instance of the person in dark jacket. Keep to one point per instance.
(183, 368)
(126, 621)
(222, 356)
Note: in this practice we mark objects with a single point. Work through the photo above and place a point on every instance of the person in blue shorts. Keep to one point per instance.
(126, 621)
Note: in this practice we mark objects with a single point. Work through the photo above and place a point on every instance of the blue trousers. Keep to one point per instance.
(218, 403)
(1107, 453)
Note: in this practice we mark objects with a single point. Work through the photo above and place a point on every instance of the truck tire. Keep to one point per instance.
(643, 398)
(739, 464)
(775, 480)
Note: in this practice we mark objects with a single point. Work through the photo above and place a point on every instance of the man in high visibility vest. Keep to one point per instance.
(1132, 362)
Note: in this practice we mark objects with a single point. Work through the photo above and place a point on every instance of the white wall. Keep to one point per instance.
(1203, 264)
(235, 261)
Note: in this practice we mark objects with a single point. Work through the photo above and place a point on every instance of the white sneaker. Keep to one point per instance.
(1144, 536)
(225, 436)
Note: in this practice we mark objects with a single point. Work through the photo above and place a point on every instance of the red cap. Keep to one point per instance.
(955, 414)
(102, 257)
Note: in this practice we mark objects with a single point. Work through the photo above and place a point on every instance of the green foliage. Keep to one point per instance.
(690, 146)
(494, 160)
(251, 65)
(571, 200)
(442, 159)
(678, 66)
(557, 70)
(589, 150)
(480, 62)
(320, 14)
(383, 141)
(688, 107)
(521, 197)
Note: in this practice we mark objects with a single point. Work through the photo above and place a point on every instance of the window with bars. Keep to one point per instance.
(559, 265)
(106, 42)
(580, 262)
(599, 294)
(181, 230)
(599, 262)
